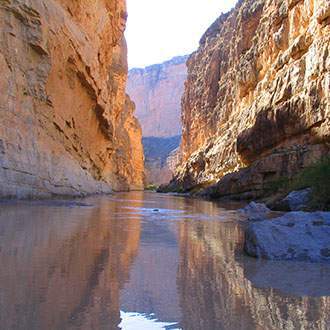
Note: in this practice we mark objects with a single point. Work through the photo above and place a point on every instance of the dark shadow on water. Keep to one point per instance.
(293, 278)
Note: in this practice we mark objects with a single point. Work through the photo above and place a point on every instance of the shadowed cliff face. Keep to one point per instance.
(160, 158)
(257, 94)
(67, 126)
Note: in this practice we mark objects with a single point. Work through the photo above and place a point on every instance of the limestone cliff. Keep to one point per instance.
(257, 96)
(157, 91)
(67, 126)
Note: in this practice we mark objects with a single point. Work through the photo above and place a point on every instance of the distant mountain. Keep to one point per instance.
(157, 91)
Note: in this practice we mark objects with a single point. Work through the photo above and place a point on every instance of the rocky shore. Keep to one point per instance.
(295, 235)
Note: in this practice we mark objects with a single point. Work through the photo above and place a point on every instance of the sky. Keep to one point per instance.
(158, 30)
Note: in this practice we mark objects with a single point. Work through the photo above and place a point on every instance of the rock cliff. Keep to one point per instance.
(257, 97)
(157, 90)
(160, 158)
(67, 126)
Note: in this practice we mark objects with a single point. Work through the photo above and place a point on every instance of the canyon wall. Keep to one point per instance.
(157, 91)
(257, 97)
(160, 158)
(67, 126)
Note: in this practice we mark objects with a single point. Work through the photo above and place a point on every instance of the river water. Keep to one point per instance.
(146, 261)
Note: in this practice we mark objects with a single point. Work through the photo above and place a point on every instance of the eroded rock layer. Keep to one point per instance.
(67, 126)
(257, 96)
(157, 91)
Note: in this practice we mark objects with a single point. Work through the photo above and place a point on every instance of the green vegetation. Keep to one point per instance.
(171, 188)
(316, 177)
(151, 187)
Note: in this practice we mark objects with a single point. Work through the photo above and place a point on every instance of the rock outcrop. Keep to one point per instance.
(157, 91)
(67, 126)
(160, 159)
(245, 293)
(297, 236)
(257, 97)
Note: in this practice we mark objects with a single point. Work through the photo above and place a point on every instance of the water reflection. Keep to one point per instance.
(220, 288)
(146, 261)
(63, 268)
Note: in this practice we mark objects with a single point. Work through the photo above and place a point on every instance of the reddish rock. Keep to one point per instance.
(66, 124)
(157, 90)
(257, 96)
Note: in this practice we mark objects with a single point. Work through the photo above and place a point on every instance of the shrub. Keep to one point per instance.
(151, 187)
(316, 177)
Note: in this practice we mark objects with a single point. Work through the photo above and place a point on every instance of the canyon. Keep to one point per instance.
(157, 91)
(67, 125)
(256, 106)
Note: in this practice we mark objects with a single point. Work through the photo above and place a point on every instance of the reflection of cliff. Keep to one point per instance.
(216, 294)
(152, 285)
(58, 273)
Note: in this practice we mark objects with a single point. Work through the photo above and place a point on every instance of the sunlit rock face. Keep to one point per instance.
(157, 91)
(258, 93)
(67, 126)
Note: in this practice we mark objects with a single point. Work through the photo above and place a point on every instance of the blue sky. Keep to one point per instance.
(158, 30)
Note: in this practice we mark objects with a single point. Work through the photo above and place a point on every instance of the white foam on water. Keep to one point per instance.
(137, 321)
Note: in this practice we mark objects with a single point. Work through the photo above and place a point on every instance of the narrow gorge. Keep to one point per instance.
(67, 125)
(256, 106)
(235, 138)
(157, 91)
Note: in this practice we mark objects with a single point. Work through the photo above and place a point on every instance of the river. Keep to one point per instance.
(146, 261)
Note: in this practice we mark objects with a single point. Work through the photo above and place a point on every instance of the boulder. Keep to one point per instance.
(298, 236)
(295, 201)
(255, 211)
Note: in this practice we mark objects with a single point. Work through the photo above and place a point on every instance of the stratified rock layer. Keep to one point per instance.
(157, 91)
(257, 96)
(67, 126)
